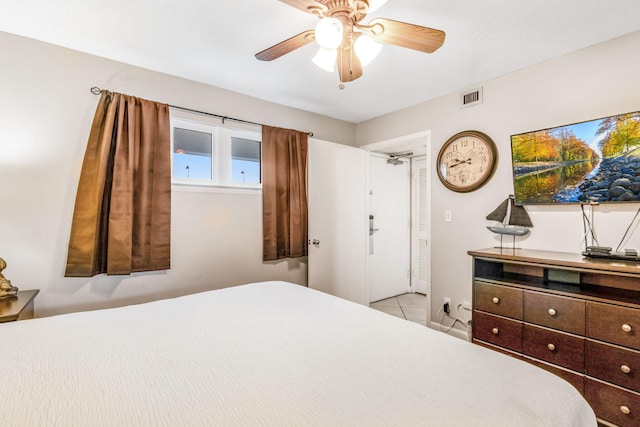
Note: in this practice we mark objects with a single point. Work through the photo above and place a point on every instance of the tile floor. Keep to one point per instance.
(412, 307)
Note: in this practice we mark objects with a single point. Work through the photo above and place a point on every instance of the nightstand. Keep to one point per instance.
(19, 308)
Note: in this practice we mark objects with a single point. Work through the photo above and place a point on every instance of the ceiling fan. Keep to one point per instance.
(346, 42)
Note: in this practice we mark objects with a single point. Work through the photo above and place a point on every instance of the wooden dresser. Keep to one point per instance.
(574, 316)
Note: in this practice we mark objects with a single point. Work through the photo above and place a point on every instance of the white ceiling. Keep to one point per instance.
(214, 42)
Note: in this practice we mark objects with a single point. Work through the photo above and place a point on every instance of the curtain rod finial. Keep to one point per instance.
(95, 90)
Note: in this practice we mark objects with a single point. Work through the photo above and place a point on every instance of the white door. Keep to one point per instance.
(389, 240)
(420, 220)
(338, 224)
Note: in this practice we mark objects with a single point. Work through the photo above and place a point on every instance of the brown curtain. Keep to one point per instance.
(284, 193)
(122, 218)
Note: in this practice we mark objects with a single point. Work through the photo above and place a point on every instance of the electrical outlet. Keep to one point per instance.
(446, 305)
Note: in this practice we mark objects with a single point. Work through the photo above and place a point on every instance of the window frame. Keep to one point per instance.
(249, 136)
(221, 152)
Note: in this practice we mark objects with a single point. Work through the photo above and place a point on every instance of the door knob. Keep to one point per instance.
(315, 242)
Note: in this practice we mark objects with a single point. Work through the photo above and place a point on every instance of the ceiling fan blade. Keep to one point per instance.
(406, 35)
(309, 6)
(349, 67)
(284, 47)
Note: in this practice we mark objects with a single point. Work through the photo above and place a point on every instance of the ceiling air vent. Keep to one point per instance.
(471, 97)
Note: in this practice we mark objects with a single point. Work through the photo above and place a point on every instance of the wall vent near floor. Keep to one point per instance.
(471, 97)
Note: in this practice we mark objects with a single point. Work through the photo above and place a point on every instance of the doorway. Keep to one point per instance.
(400, 262)
(389, 227)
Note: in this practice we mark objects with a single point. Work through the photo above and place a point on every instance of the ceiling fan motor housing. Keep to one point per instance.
(348, 12)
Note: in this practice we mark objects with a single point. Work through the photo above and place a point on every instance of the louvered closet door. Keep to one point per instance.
(420, 252)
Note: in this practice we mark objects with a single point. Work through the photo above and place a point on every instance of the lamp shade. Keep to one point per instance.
(329, 33)
(366, 49)
(326, 59)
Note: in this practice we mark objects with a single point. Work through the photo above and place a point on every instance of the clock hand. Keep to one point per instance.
(468, 161)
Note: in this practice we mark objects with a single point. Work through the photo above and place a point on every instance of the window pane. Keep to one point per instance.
(192, 154)
(245, 172)
(245, 161)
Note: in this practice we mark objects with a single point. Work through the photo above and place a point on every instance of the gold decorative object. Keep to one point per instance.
(6, 290)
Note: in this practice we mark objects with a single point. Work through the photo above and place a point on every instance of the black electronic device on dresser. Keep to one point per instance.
(575, 316)
(606, 253)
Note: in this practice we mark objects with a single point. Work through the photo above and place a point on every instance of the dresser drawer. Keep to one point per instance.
(498, 331)
(554, 347)
(615, 324)
(553, 311)
(500, 300)
(613, 404)
(613, 364)
(577, 380)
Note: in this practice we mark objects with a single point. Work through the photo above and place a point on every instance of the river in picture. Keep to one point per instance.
(553, 185)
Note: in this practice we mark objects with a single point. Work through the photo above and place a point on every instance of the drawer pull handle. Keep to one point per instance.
(496, 300)
(625, 410)
(495, 331)
(625, 369)
(551, 347)
(552, 312)
(626, 328)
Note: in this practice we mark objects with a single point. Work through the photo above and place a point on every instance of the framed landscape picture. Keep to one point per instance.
(596, 161)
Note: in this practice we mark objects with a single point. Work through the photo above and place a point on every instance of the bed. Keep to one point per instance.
(265, 354)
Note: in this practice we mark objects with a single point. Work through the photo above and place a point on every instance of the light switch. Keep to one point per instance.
(448, 217)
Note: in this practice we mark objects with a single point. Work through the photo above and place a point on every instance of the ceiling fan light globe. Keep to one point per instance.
(366, 49)
(329, 33)
(326, 59)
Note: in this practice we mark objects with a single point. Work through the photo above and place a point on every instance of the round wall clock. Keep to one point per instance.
(467, 161)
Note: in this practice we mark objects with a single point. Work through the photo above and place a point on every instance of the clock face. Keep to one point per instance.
(467, 161)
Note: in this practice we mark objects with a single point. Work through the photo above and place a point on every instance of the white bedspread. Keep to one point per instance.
(265, 354)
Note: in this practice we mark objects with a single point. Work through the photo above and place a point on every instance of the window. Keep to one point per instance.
(192, 154)
(215, 155)
(245, 161)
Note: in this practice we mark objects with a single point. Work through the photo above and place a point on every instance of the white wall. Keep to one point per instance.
(46, 110)
(595, 82)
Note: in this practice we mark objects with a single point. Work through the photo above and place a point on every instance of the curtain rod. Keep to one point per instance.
(96, 91)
